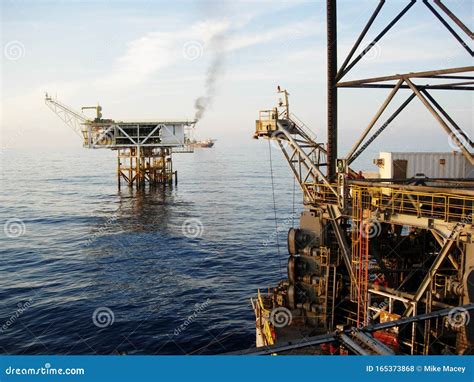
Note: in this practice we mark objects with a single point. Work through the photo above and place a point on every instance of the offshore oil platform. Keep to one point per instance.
(144, 148)
(380, 265)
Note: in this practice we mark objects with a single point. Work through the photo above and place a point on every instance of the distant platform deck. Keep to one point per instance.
(122, 134)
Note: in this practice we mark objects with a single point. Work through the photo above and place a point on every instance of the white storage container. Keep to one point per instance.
(402, 165)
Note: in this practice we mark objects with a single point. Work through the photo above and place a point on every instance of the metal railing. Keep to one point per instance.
(434, 205)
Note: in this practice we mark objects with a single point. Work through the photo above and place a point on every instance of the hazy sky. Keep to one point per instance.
(149, 59)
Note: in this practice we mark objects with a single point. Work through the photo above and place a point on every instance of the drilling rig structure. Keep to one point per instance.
(377, 266)
(144, 148)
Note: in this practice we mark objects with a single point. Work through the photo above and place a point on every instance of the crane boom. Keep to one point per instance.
(306, 157)
(74, 119)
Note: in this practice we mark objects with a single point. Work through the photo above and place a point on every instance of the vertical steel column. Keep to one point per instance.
(332, 87)
(170, 153)
(119, 170)
(138, 170)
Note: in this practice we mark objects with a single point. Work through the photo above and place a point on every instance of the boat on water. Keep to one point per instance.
(208, 143)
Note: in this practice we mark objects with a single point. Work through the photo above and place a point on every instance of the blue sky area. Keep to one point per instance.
(149, 59)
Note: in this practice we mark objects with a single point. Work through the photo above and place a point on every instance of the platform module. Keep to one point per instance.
(372, 251)
(380, 264)
(144, 148)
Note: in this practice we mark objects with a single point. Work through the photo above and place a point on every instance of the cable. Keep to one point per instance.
(274, 207)
(293, 210)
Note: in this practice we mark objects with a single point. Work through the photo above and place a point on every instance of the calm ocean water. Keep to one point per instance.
(97, 271)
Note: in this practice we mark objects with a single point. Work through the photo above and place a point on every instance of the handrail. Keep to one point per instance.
(303, 126)
(439, 205)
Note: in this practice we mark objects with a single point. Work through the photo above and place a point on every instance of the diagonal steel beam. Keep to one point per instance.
(380, 129)
(377, 38)
(102, 135)
(374, 344)
(441, 241)
(448, 27)
(443, 124)
(297, 173)
(341, 240)
(453, 17)
(375, 119)
(331, 337)
(307, 160)
(448, 117)
(432, 271)
(128, 136)
(151, 133)
(352, 345)
(359, 40)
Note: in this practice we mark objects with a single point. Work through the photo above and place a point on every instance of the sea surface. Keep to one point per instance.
(88, 269)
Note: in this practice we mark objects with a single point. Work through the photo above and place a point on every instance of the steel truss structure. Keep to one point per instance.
(366, 345)
(351, 264)
(144, 148)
